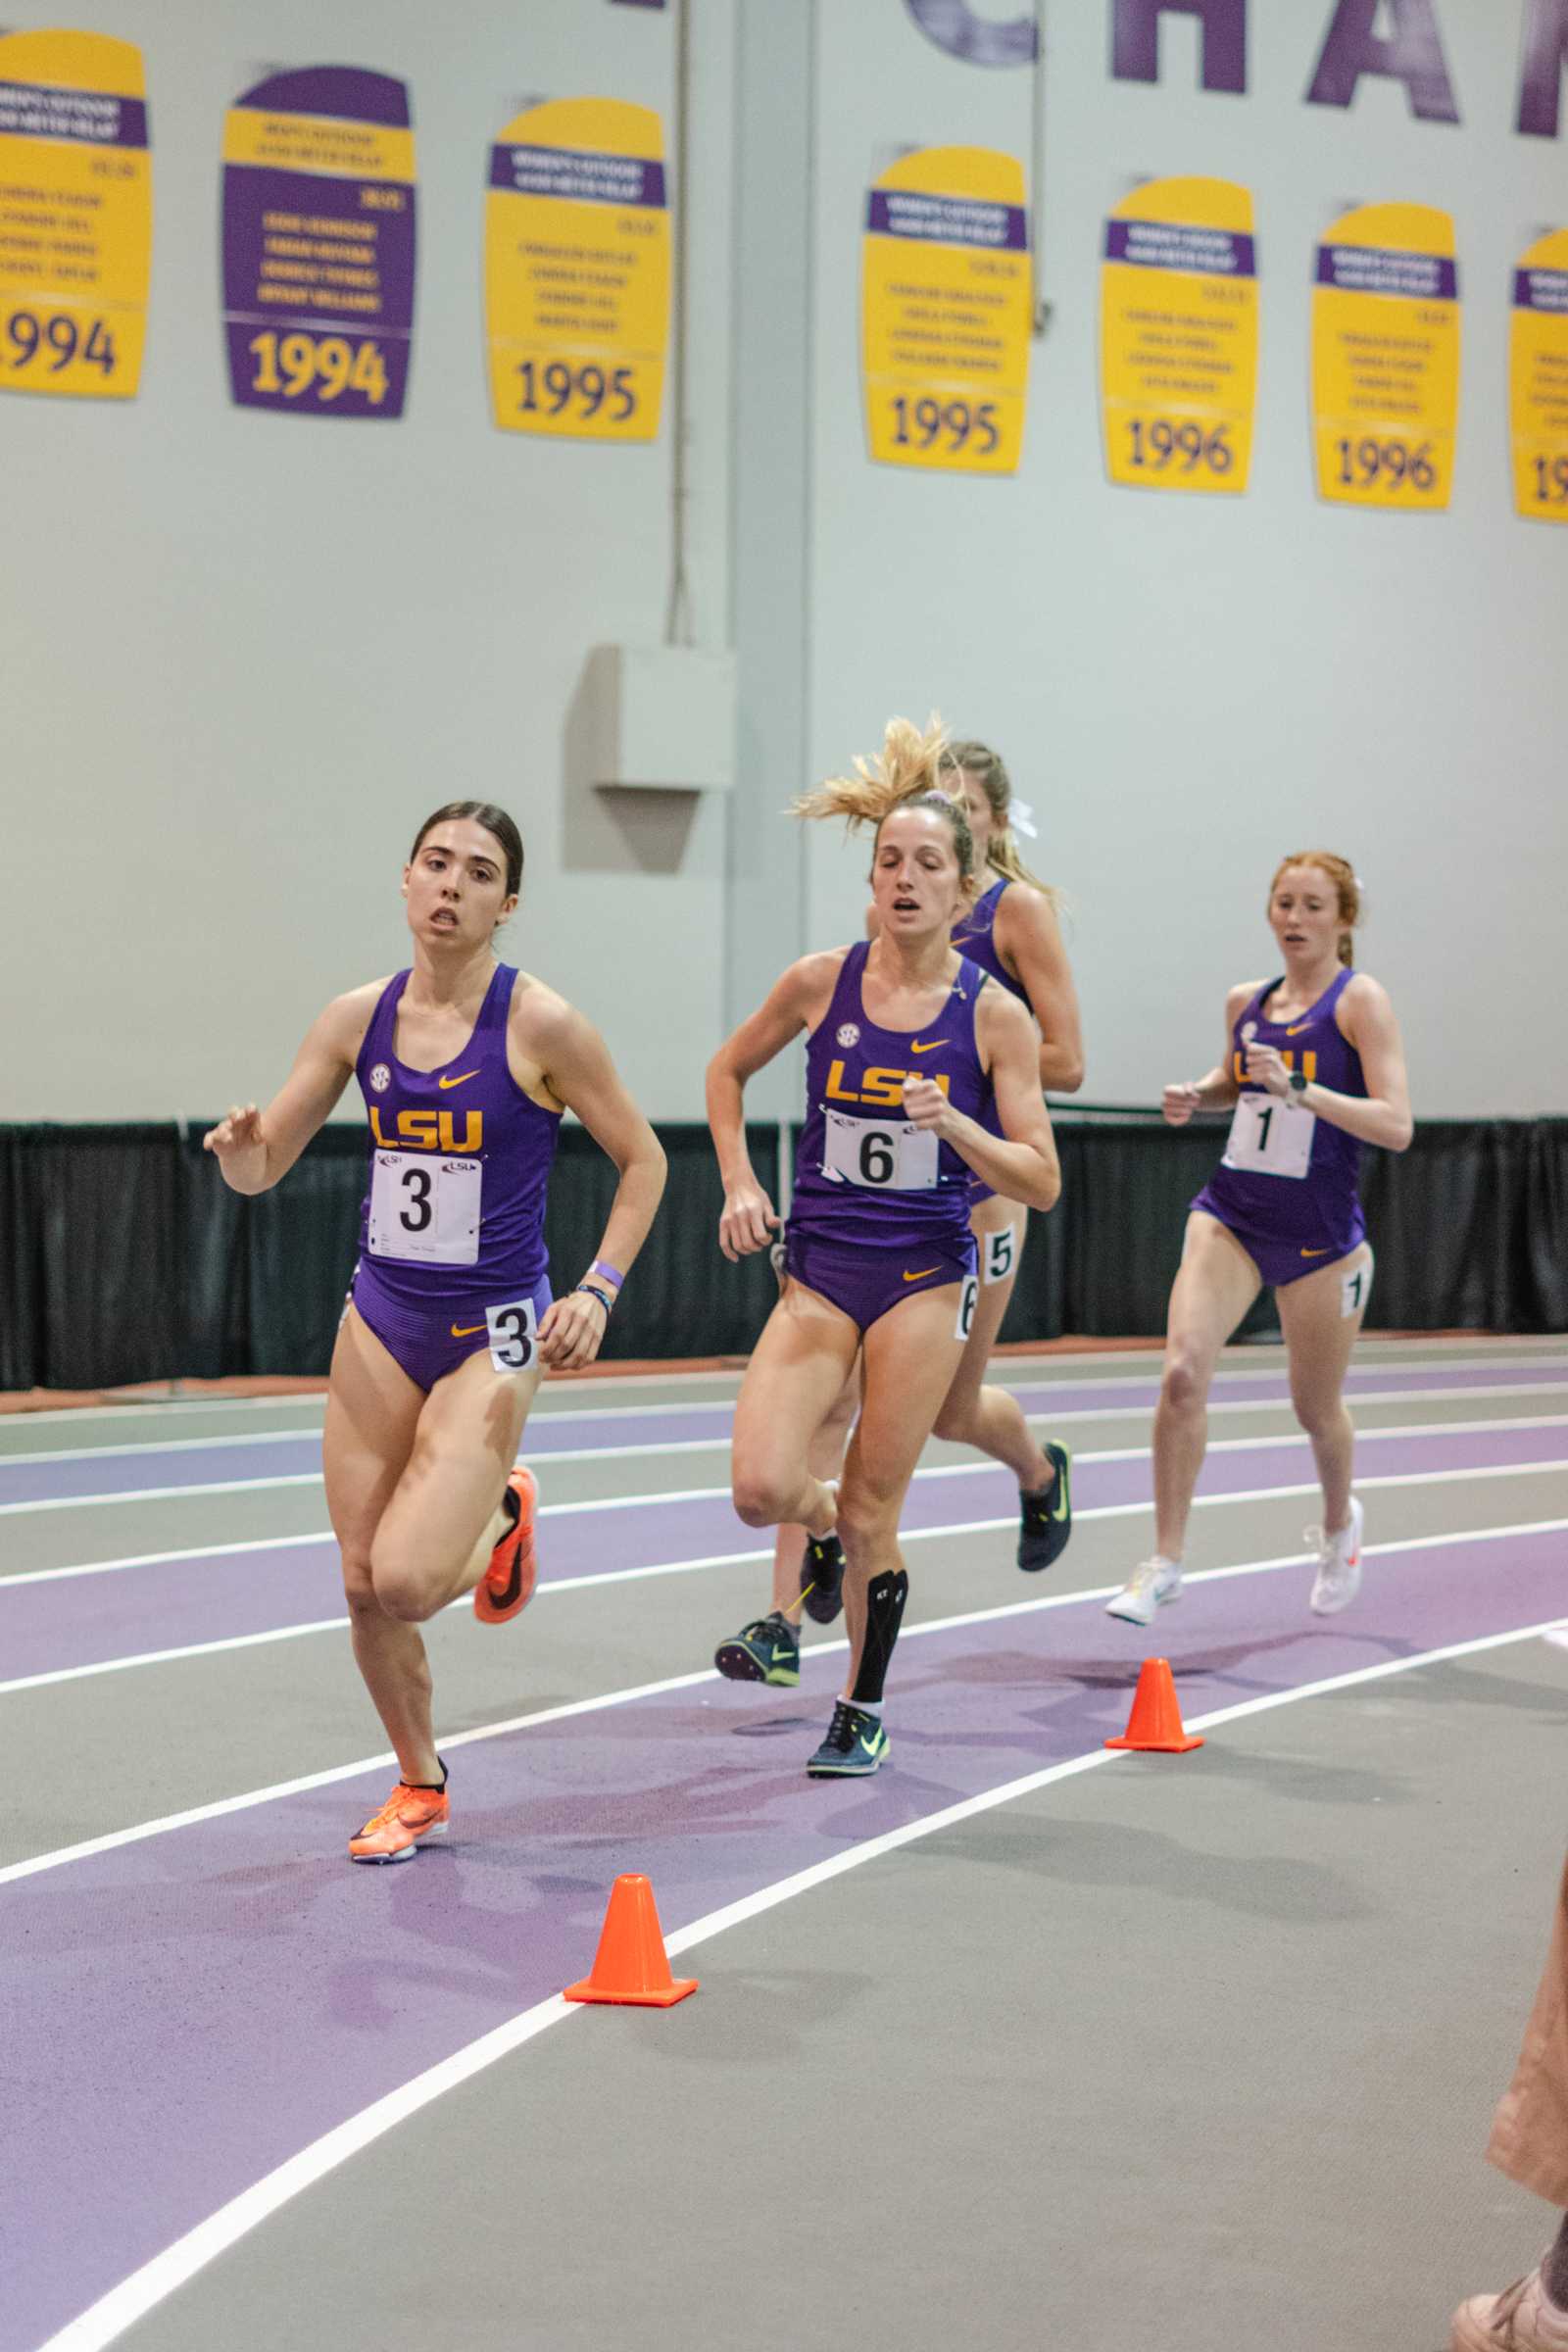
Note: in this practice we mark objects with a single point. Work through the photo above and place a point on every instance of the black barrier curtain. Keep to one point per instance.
(124, 1258)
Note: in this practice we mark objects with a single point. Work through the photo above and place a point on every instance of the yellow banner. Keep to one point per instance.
(75, 215)
(1538, 380)
(1178, 337)
(1386, 358)
(576, 270)
(945, 310)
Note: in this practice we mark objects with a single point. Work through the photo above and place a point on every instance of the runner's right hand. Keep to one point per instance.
(749, 1222)
(1179, 1102)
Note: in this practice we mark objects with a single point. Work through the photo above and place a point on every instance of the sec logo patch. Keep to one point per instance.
(849, 1034)
(380, 1078)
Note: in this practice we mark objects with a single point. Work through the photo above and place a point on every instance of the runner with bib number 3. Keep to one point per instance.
(1314, 1068)
(920, 1073)
(465, 1066)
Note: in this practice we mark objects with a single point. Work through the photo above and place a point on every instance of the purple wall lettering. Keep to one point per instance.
(1412, 54)
(1134, 39)
(980, 41)
(1545, 55)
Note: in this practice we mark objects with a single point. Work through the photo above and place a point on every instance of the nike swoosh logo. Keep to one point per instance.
(921, 1272)
(932, 1046)
(1315, 1254)
(874, 1747)
(444, 1083)
(465, 1331)
(1299, 1026)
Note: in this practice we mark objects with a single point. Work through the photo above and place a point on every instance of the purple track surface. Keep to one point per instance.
(324, 1987)
(268, 1454)
(89, 1620)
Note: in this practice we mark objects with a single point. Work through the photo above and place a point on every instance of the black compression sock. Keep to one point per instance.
(884, 1614)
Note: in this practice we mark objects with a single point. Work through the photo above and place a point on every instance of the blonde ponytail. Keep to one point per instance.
(910, 771)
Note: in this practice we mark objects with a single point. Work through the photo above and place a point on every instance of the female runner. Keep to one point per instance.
(465, 1066)
(1013, 933)
(908, 1050)
(1315, 1068)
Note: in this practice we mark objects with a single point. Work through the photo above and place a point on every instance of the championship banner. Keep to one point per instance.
(1538, 380)
(945, 310)
(318, 226)
(75, 215)
(1178, 337)
(576, 270)
(1386, 358)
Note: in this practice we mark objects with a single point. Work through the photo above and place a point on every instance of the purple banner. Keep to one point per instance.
(319, 265)
(350, 93)
(947, 219)
(1540, 290)
(93, 118)
(1375, 270)
(1180, 245)
(577, 175)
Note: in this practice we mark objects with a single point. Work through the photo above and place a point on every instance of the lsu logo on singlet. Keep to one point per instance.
(1308, 1065)
(430, 1131)
(878, 1085)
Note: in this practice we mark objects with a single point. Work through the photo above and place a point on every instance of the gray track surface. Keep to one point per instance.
(1179, 2052)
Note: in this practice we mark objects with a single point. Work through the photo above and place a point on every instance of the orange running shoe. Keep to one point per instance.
(409, 1816)
(506, 1585)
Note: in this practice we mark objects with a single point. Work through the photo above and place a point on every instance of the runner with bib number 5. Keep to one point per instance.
(1314, 1068)
(910, 1050)
(465, 1066)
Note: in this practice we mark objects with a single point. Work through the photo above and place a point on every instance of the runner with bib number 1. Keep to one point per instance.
(909, 1048)
(465, 1066)
(1314, 1068)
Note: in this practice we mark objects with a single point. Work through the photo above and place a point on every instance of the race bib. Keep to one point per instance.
(1000, 1253)
(424, 1208)
(969, 1300)
(886, 1157)
(513, 1334)
(1271, 1138)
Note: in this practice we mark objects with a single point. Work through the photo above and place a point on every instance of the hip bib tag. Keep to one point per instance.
(1271, 1138)
(424, 1210)
(895, 1156)
(513, 1333)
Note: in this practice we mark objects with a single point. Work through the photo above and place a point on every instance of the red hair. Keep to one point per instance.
(1346, 883)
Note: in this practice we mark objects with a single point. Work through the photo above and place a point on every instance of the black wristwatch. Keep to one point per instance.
(1297, 1081)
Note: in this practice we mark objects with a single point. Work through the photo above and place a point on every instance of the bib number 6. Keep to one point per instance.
(968, 1299)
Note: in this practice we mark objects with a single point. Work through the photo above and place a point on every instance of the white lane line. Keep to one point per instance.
(49, 1455)
(149, 2285)
(736, 1560)
(636, 1503)
(1125, 1453)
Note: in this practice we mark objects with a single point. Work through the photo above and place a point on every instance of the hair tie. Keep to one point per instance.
(1022, 818)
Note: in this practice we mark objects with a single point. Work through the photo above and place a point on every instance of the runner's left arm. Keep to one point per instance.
(1022, 1164)
(1381, 1115)
(581, 1073)
(1029, 938)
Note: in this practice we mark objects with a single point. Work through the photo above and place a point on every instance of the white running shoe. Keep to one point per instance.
(1339, 1564)
(1150, 1587)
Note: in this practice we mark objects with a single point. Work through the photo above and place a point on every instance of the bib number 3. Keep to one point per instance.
(424, 1210)
(1271, 1138)
(513, 1334)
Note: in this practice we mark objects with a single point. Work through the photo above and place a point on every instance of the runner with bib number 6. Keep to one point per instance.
(1314, 1068)
(465, 1066)
(920, 1073)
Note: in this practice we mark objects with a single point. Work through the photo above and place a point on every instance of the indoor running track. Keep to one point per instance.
(1036, 2033)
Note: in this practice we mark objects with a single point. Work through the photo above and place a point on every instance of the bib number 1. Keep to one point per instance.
(1271, 1138)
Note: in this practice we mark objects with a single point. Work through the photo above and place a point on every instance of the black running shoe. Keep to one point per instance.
(766, 1651)
(1044, 1521)
(822, 1578)
(855, 1744)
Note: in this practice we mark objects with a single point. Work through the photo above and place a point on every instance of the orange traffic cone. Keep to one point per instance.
(1156, 1721)
(631, 1964)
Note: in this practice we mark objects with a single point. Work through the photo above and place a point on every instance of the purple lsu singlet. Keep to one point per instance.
(1287, 1185)
(862, 1172)
(974, 936)
(460, 1159)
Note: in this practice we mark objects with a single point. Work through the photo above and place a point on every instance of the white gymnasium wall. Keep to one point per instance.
(244, 654)
(1187, 687)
